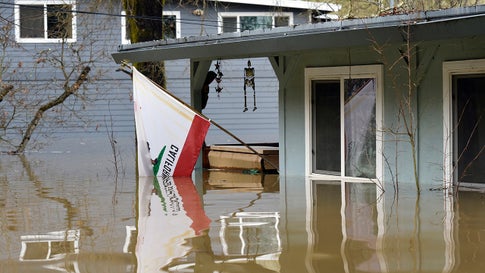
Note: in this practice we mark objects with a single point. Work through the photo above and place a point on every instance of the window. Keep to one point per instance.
(343, 110)
(45, 21)
(171, 26)
(238, 22)
(170, 21)
(464, 128)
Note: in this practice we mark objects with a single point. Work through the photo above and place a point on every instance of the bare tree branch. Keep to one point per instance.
(4, 90)
(68, 91)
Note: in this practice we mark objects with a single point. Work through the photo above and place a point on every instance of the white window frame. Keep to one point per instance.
(338, 73)
(45, 3)
(178, 32)
(451, 69)
(221, 15)
(124, 40)
(177, 21)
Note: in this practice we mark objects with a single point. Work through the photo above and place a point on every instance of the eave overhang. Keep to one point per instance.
(305, 5)
(424, 26)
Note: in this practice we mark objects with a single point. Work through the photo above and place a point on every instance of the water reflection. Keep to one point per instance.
(173, 233)
(51, 246)
(230, 222)
(354, 227)
(169, 213)
(349, 242)
(52, 220)
(469, 232)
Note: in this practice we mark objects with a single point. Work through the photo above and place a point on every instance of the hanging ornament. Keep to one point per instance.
(249, 82)
(218, 78)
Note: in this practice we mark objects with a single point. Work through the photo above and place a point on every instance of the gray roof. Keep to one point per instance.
(431, 25)
(294, 4)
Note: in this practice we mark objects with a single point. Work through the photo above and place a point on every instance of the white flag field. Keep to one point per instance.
(169, 134)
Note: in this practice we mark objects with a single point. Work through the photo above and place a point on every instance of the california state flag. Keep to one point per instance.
(169, 133)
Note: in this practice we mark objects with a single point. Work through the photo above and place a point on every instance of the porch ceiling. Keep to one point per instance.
(425, 26)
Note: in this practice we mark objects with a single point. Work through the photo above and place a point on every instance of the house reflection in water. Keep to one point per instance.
(355, 227)
(51, 246)
(337, 229)
(51, 250)
(343, 228)
(304, 225)
(174, 233)
(331, 226)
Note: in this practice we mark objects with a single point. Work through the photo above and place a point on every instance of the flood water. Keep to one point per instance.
(59, 214)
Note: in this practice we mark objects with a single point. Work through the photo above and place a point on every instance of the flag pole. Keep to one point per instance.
(218, 126)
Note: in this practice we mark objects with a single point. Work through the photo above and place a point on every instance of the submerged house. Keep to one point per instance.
(392, 99)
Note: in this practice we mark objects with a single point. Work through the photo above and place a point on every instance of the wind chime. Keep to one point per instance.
(218, 78)
(249, 82)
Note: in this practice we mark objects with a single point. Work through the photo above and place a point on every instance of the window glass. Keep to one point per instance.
(31, 21)
(44, 22)
(360, 127)
(281, 21)
(59, 21)
(469, 113)
(326, 127)
(170, 26)
(233, 22)
(255, 22)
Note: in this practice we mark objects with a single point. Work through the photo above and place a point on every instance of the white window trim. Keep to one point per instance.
(177, 21)
(333, 73)
(124, 41)
(451, 69)
(178, 32)
(45, 2)
(220, 15)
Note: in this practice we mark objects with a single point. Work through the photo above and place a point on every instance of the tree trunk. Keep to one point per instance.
(145, 23)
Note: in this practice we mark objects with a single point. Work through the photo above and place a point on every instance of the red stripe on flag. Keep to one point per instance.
(193, 144)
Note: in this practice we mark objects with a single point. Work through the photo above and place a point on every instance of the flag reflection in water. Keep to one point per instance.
(173, 233)
(170, 211)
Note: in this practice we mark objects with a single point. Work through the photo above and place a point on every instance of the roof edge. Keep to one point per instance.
(328, 34)
(308, 5)
(348, 24)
